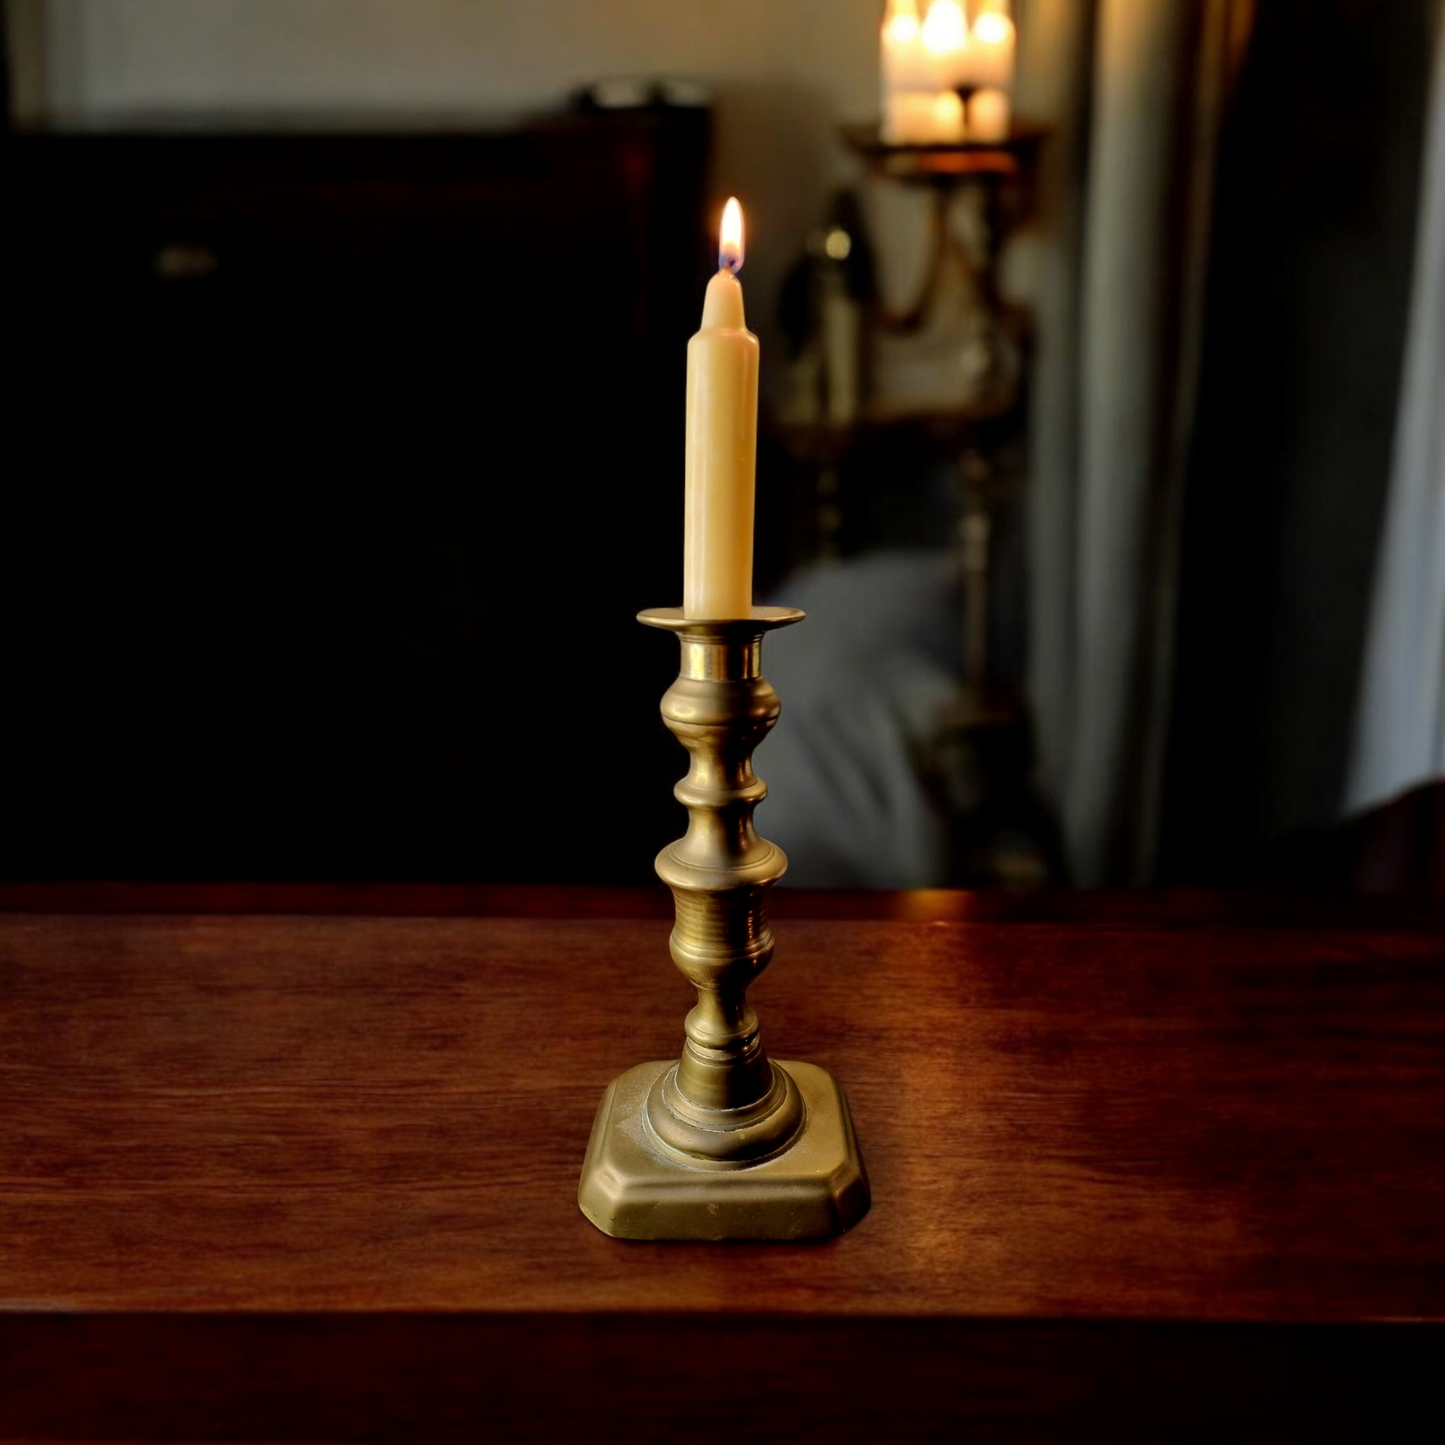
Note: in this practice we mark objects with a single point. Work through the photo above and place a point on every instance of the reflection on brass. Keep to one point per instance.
(725, 1143)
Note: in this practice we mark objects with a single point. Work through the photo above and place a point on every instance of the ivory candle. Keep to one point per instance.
(988, 115)
(721, 447)
(904, 64)
(945, 42)
(909, 118)
(991, 55)
(947, 118)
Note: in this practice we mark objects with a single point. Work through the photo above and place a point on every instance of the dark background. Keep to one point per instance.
(1307, 306)
(336, 465)
(339, 465)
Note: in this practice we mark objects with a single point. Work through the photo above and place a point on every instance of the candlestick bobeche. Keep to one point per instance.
(723, 1143)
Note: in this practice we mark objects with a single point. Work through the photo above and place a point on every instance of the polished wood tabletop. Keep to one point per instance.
(272, 1174)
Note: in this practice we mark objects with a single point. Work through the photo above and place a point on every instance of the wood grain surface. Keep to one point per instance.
(255, 1168)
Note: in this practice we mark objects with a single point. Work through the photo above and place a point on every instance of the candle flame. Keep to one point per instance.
(992, 28)
(900, 22)
(945, 30)
(730, 238)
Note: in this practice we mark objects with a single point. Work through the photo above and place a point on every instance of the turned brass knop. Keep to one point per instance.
(725, 1101)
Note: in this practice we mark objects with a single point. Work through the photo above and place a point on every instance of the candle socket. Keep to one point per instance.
(723, 1143)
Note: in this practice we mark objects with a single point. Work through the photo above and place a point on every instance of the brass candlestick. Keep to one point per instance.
(724, 1143)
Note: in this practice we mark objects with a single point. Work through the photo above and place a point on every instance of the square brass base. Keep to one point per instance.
(634, 1188)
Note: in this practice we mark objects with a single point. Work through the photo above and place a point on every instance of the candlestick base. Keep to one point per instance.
(634, 1186)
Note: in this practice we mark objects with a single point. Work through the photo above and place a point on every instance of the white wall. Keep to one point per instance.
(784, 73)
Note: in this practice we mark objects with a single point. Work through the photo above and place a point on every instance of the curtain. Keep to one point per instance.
(1400, 736)
(1133, 93)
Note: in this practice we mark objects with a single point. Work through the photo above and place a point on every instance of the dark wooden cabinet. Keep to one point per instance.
(319, 451)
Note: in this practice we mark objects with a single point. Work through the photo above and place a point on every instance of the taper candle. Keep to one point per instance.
(908, 118)
(904, 66)
(988, 112)
(721, 448)
(944, 35)
(991, 53)
(947, 118)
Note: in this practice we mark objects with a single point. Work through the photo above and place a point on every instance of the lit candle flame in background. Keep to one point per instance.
(900, 24)
(992, 28)
(730, 238)
(945, 30)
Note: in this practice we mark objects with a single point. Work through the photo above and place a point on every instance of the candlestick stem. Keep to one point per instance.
(724, 1143)
(725, 1100)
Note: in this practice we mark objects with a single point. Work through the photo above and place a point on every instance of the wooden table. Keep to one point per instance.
(1159, 1167)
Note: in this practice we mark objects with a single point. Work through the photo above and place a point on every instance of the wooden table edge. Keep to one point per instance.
(1165, 908)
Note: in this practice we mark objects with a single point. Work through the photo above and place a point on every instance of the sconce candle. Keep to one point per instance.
(947, 118)
(945, 42)
(905, 66)
(722, 432)
(991, 54)
(988, 114)
(922, 118)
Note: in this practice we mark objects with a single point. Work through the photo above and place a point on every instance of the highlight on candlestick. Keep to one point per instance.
(730, 238)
